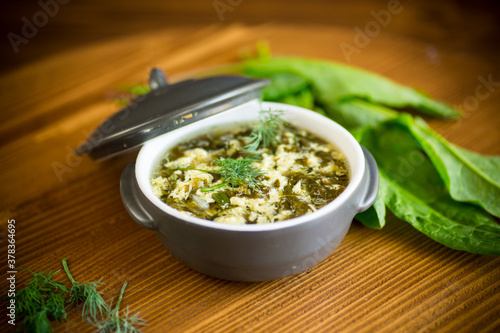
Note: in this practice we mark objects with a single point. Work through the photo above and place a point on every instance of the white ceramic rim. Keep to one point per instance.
(154, 150)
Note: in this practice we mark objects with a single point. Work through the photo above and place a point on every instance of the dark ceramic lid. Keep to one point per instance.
(166, 108)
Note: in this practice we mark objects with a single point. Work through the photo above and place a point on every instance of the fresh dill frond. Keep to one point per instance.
(29, 300)
(37, 322)
(44, 300)
(41, 301)
(43, 281)
(116, 323)
(87, 293)
(266, 131)
(34, 297)
(234, 172)
(55, 306)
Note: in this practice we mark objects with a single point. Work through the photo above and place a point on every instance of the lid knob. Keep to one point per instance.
(157, 78)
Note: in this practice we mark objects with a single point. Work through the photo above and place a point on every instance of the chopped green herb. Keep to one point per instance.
(266, 131)
(221, 198)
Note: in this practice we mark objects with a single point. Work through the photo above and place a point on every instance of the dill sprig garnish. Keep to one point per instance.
(44, 300)
(55, 306)
(113, 322)
(41, 301)
(37, 322)
(266, 131)
(240, 171)
(93, 303)
(234, 172)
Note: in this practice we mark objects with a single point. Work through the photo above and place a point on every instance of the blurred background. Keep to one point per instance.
(459, 26)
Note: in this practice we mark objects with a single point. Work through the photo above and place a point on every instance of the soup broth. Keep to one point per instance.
(298, 175)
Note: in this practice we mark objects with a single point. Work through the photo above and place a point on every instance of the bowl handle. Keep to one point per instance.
(372, 180)
(136, 204)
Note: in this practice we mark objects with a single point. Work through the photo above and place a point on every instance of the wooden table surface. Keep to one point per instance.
(392, 280)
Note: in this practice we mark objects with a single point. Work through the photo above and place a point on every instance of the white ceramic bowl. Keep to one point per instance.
(252, 252)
